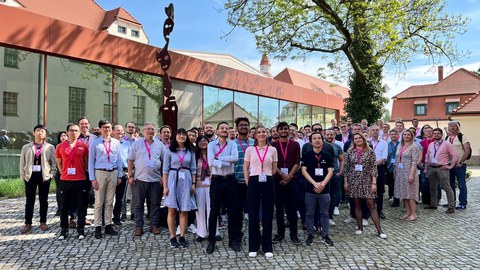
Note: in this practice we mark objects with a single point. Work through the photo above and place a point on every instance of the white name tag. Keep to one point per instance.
(318, 172)
(418, 171)
(217, 163)
(358, 167)
(400, 165)
(149, 163)
(36, 168)
(182, 175)
(434, 160)
(262, 178)
(206, 181)
(284, 170)
(71, 171)
(392, 161)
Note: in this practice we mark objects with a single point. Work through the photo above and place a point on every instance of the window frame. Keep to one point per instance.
(416, 106)
(137, 33)
(451, 103)
(13, 104)
(73, 116)
(137, 108)
(13, 54)
(109, 104)
(124, 29)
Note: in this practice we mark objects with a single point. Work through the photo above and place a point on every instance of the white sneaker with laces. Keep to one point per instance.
(382, 235)
(364, 222)
(358, 232)
(336, 211)
(349, 220)
(268, 255)
(331, 222)
(252, 254)
(192, 228)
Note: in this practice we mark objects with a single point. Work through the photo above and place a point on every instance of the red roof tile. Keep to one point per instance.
(118, 13)
(304, 80)
(461, 81)
(472, 105)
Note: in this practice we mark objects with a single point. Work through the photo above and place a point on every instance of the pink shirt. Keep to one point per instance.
(253, 157)
(445, 153)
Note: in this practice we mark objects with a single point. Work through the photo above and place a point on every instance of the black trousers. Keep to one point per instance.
(241, 206)
(120, 191)
(74, 193)
(260, 194)
(380, 187)
(224, 191)
(36, 180)
(285, 201)
(152, 193)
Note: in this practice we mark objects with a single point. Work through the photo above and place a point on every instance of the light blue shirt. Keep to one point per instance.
(147, 168)
(227, 157)
(99, 159)
(124, 150)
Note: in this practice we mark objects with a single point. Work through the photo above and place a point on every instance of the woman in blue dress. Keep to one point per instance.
(179, 170)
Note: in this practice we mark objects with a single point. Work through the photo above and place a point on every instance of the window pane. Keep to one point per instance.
(268, 111)
(189, 101)
(217, 105)
(318, 116)
(76, 103)
(329, 115)
(451, 106)
(11, 58)
(10, 104)
(303, 115)
(288, 111)
(246, 106)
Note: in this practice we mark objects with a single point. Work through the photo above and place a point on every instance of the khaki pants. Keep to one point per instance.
(440, 176)
(107, 182)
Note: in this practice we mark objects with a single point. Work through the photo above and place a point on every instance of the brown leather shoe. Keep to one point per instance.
(43, 226)
(138, 231)
(27, 228)
(72, 224)
(154, 230)
(450, 210)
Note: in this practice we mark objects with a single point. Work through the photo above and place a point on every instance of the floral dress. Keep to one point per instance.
(360, 181)
(403, 189)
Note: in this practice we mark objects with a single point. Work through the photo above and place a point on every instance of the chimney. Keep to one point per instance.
(265, 65)
(440, 73)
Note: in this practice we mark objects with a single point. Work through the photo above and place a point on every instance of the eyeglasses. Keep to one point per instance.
(130, 126)
(74, 130)
(317, 129)
(343, 126)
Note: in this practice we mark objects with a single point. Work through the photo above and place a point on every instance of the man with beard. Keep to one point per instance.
(130, 132)
(209, 131)
(164, 135)
(273, 135)
(286, 195)
(243, 142)
(337, 179)
(231, 134)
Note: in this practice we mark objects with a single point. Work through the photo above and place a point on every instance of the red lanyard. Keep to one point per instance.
(452, 138)
(38, 151)
(284, 152)
(70, 150)
(181, 158)
(148, 149)
(318, 159)
(375, 146)
(262, 160)
(401, 152)
(204, 164)
(241, 145)
(107, 150)
(344, 139)
(221, 149)
(86, 139)
(359, 155)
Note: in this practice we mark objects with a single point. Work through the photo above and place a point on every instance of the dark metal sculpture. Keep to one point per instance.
(169, 109)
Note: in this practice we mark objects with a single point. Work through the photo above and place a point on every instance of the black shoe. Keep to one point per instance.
(326, 240)
(117, 222)
(210, 247)
(174, 243)
(132, 217)
(110, 231)
(430, 207)
(295, 240)
(123, 218)
(395, 205)
(277, 238)
(98, 232)
(218, 238)
(90, 205)
(63, 235)
(381, 215)
(200, 239)
(309, 241)
(236, 247)
(57, 213)
(183, 242)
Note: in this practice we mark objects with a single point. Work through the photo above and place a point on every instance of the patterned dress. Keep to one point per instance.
(403, 189)
(360, 182)
(179, 180)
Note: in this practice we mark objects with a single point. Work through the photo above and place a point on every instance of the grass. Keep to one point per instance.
(14, 188)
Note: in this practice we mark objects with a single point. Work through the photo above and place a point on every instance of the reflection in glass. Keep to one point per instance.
(246, 106)
(189, 100)
(218, 106)
(318, 115)
(329, 115)
(268, 111)
(303, 115)
(288, 111)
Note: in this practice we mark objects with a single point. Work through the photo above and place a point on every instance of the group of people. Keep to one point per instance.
(252, 170)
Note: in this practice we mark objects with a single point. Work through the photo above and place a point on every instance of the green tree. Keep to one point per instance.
(365, 34)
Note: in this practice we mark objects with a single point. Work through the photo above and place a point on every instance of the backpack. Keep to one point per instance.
(460, 138)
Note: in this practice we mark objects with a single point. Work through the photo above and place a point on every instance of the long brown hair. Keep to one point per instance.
(402, 142)
(365, 143)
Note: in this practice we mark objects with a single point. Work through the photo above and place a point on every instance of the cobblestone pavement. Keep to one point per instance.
(435, 241)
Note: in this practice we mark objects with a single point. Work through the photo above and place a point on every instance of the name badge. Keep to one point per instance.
(358, 167)
(206, 181)
(400, 165)
(434, 160)
(392, 161)
(217, 163)
(418, 171)
(149, 163)
(262, 178)
(36, 168)
(181, 175)
(318, 172)
(284, 170)
(71, 171)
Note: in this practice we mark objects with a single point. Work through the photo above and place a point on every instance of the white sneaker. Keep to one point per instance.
(382, 235)
(336, 211)
(391, 199)
(358, 232)
(81, 236)
(178, 230)
(192, 228)
(331, 222)
(252, 254)
(268, 255)
(364, 222)
(349, 220)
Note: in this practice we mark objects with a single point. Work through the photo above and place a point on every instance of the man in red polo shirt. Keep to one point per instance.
(72, 157)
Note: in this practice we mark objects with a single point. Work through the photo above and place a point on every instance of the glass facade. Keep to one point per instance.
(268, 110)
(217, 106)
(304, 115)
(246, 105)
(288, 112)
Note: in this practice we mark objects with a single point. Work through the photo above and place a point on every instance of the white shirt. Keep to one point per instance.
(380, 148)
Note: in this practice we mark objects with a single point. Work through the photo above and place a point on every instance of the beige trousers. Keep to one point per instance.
(107, 182)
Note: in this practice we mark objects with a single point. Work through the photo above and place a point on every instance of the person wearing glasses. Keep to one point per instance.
(129, 132)
(105, 171)
(72, 158)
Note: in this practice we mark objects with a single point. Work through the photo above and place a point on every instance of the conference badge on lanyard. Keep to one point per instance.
(262, 178)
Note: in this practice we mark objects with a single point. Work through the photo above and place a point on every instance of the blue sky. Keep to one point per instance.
(200, 25)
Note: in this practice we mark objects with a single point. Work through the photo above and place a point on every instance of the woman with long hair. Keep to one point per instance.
(361, 180)
(259, 165)
(179, 172)
(405, 174)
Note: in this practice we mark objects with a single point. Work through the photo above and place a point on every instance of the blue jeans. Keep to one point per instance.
(335, 193)
(460, 173)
